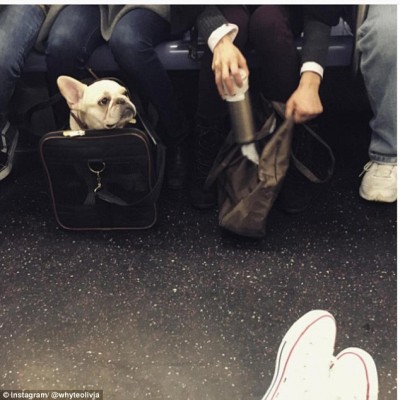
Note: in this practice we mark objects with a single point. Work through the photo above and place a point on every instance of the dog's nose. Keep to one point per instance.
(128, 113)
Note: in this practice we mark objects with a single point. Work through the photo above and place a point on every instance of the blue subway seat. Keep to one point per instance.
(175, 54)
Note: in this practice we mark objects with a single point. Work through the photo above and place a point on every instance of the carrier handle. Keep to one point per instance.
(150, 197)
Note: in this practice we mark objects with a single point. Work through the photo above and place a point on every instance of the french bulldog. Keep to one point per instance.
(104, 104)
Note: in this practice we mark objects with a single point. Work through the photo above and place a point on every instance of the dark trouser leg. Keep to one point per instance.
(211, 116)
(271, 34)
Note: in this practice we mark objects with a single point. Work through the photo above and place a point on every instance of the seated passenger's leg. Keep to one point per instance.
(272, 32)
(379, 69)
(73, 37)
(19, 27)
(133, 43)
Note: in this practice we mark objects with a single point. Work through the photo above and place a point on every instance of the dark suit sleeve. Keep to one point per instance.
(318, 21)
(209, 20)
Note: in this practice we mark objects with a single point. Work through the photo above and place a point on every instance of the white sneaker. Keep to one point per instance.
(379, 182)
(304, 358)
(353, 376)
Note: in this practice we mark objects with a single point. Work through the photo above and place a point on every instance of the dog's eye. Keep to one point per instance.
(126, 93)
(104, 101)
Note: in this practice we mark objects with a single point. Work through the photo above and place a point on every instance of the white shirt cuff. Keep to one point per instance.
(313, 67)
(219, 33)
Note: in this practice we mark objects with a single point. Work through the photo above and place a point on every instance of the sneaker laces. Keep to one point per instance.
(382, 170)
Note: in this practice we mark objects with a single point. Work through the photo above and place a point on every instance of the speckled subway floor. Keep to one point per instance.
(183, 311)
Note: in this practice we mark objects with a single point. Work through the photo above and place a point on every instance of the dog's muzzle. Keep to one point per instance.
(128, 112)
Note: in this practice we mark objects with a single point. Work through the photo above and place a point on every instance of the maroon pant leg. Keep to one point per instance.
(271, 34)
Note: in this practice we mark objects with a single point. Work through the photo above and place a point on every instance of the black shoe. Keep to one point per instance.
(176, 168)
(8, 144)
(209, 138)
(297, 191)
(202, 198)
(296, 194)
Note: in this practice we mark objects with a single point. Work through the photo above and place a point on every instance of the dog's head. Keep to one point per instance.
(104, 104)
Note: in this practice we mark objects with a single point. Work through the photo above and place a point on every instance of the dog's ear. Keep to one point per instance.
(71, 89)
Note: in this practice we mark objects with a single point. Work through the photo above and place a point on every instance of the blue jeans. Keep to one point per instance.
(74, 36)
(72, 39)
(133, 43)
(19, 25)
(378, 65)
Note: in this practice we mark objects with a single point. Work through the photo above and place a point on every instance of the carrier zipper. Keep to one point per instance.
(74, 133)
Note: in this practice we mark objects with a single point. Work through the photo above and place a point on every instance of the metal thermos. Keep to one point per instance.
(241, 113)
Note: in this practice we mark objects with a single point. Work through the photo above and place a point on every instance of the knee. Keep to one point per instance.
(123, 45)
(269, 22)
(380, 36)
(385, 39)
(12, 61)
(6, 72)
(237, 15)
(60, 42)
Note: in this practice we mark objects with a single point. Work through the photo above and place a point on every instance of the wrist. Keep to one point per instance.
(228, 29)
(310, 79)
(223, 41)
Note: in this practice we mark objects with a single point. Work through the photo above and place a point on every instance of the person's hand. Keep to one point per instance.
(305, 103)
(227, 62)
